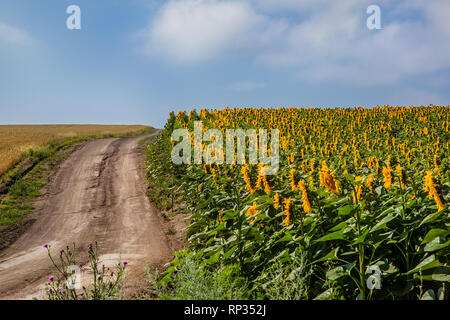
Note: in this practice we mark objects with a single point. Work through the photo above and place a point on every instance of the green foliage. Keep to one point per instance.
(289, 281)
(21, 195)
(187, 279)
(397, 229)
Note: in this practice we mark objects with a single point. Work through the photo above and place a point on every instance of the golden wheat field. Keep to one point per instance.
(17, 139)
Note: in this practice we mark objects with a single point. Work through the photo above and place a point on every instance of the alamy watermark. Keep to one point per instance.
(374, 280)
(74, 280)
(73, 22)
(374, 20)
(213, 153)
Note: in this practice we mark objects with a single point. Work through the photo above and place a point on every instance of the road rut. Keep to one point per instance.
(98, 193)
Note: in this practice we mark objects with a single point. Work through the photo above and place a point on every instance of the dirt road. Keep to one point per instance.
(98, 193)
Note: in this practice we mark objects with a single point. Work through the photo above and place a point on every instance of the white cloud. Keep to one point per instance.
(320, 40)
(436, 12)
(297, 6)
(11, 35)
(197, 30)
(334, 44)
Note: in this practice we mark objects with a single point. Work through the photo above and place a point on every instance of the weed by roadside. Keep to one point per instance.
(189, 280)
(289, 281)
(106, 284)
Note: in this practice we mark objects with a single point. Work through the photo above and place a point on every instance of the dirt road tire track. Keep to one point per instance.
(99, 193)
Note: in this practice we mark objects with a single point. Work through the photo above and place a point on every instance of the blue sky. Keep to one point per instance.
(134, 61)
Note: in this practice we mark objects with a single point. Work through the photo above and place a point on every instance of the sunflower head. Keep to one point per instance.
(329, 181)
(276, 200)
(252, 212)
(387, 177)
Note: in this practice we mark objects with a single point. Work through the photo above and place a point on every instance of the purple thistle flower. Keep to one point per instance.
(61, 250)
(50, 290)
(45, 245)
(125, 262)
(90, 246)
(62, 290)
(51, 278)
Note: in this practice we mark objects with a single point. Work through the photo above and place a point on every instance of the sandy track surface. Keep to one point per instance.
(98, 193)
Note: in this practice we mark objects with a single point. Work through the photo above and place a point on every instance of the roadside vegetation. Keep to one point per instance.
(65, 283)
(357, 210)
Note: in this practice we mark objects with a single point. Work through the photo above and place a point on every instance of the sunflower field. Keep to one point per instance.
(362, 193)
